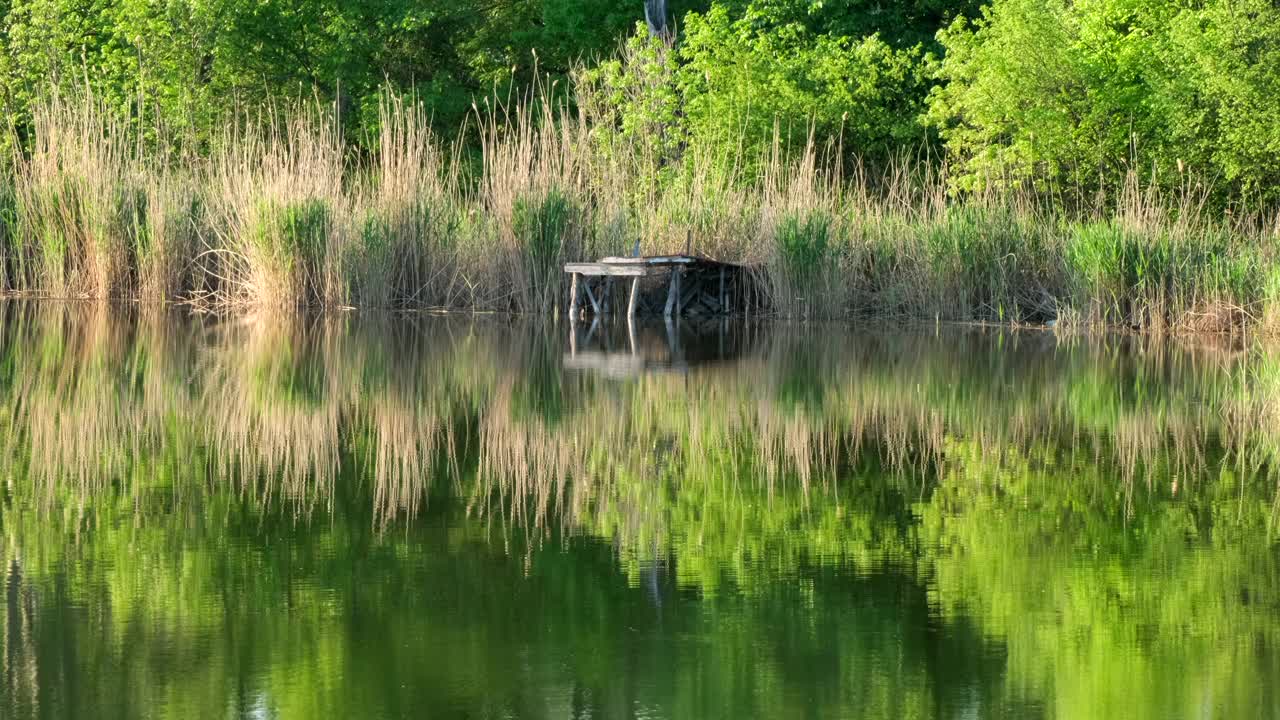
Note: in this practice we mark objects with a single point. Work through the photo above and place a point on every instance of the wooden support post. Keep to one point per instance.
(724, 307)
(673, 292)
(573, 296)
(635, 296)
(686, 296)
(595, 305)
(631, 332)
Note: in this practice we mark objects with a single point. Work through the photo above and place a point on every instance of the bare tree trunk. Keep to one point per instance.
(655, 14)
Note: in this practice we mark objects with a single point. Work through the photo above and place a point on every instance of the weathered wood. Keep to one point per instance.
(603, 269)
(673, 293)
(595, 305)
(573, 297)
(723, 306)
(652, 260)
(694, 285)
(703, 304)
(635, 295)
(687, 295)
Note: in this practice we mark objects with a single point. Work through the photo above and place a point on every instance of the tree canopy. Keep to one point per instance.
(1054, 95)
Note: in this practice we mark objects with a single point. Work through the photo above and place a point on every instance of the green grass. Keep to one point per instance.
(542, 227)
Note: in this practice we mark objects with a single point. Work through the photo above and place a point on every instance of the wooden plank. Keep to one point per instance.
(652, 260)
(703, 304)
(599, 269)
(701, 286)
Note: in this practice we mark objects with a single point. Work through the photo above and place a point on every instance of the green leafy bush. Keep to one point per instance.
(1075, 96)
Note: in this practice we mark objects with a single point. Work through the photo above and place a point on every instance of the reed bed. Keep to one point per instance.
(282, 211)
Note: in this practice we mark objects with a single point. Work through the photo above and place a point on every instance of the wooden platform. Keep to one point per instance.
(686, 285)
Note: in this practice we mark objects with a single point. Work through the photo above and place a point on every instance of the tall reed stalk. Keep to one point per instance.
(77, 203)
(407, 221)
(282, 214)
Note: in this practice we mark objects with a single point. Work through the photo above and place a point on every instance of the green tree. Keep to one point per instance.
(739, 80)
(743, 69)
(194, 59)
(1081, 94)
(901, 24)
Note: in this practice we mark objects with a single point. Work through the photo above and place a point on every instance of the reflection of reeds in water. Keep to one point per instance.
(529, 468)
(289, 411)
(78, 394)
(273, 418)
(412, 440)
(291, 406)
(804, 413)
(103, 400)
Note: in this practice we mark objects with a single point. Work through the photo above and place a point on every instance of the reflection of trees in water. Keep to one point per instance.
(1113, 502)
(21, 671)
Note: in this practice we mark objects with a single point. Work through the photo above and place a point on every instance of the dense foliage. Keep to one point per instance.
(191, 58)
(1065, 96)
(1082, 92)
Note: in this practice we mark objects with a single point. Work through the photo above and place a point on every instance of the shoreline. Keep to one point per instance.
(851, 323)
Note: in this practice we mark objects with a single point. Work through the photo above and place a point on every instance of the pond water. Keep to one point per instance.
(361, 517)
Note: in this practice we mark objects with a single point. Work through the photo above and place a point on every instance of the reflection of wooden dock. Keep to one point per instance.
(671, 285)
(666, 346)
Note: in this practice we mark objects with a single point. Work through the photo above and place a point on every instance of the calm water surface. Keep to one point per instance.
(456, 518)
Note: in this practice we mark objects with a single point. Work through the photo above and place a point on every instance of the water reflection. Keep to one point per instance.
(649, 345)
(370, 517)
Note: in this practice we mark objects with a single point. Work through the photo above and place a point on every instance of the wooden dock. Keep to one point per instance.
(670, 285)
